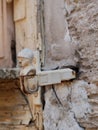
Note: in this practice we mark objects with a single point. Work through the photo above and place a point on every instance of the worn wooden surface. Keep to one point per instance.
(14, 110)
(6, 33)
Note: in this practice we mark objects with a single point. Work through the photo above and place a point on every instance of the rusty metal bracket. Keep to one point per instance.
(32, 79)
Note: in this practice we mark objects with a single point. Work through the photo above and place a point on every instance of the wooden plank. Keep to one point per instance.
(14, 109)
(19, 10)
(1, 31)
(5, 38)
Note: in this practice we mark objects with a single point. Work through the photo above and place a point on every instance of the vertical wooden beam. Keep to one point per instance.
(5, 41)
(1, 30)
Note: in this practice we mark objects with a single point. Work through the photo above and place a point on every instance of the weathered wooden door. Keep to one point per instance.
(28, 35)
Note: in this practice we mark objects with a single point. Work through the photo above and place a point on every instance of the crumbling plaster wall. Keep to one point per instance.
(59, 47)
(71, 30)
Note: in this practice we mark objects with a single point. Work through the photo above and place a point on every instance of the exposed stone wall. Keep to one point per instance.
(72, 40)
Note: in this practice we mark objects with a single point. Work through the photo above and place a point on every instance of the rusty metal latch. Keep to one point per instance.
(30, 84)
(32, 79)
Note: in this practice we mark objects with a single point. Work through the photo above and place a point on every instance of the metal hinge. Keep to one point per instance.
(35, 78)
(32, 79)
